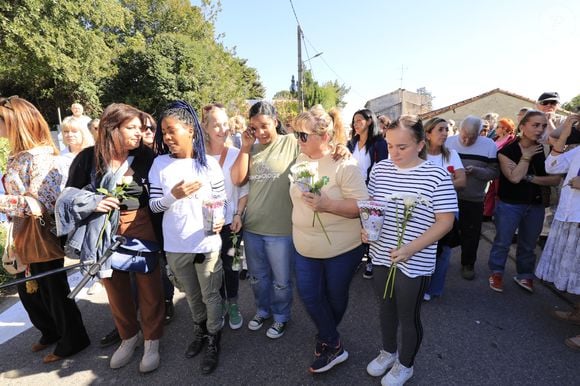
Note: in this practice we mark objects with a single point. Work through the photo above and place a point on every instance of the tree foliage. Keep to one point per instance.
(329, 94)
(573, 104)
(141, 52)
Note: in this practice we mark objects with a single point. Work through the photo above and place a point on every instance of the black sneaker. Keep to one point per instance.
(256, 323)
(243, 274)
(368, 271)
(468, 272)
(110, 339)
(328, 358)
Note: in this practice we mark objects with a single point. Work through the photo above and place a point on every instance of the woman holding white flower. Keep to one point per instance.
(215, 125)
(328, 253)
(406, 180)
(120, 157)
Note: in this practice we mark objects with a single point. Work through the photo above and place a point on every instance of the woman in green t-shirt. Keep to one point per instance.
(264, 160)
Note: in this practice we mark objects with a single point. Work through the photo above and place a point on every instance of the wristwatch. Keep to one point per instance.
(529, 178)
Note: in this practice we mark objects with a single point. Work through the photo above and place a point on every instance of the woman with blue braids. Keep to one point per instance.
(181, 179)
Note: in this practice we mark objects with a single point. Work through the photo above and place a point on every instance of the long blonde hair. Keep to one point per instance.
(26, 128)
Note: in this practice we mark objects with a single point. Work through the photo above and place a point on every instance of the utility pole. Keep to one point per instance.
(300, 71)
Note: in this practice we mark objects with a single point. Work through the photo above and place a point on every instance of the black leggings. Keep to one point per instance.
(403, 309)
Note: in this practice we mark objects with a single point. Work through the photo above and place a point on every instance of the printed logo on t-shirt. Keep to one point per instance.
(263, 172)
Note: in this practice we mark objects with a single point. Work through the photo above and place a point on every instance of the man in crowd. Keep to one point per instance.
(479, 157)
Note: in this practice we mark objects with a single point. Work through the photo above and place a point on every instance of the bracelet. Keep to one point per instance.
(525, 159)
(237, 214)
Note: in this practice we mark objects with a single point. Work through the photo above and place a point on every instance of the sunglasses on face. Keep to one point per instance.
(301, 135)
(546, 103)
(144, 129)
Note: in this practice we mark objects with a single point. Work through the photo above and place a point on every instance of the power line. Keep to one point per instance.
(304, 40)
(332, 70)
(294, 11)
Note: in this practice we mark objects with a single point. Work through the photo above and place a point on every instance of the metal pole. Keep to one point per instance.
(96, 267)
(300, 72)
(40, 275)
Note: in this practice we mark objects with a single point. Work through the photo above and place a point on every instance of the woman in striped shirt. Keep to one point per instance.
(406, 173)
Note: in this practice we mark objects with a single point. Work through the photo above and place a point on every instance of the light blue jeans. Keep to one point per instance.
(271, 266)
(528, 220)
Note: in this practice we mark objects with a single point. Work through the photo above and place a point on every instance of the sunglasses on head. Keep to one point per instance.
(5, 102)
(301, 135)
(546, 103)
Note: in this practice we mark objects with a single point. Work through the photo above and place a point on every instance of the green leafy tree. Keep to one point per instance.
(57, 52)
(143, 52)
(573, 104)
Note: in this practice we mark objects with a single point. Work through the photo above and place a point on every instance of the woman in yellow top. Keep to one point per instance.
(326, 259)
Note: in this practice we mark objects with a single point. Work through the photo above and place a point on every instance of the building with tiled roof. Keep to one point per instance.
(505, 103)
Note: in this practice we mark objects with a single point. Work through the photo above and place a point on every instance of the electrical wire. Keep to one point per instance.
(304, 40)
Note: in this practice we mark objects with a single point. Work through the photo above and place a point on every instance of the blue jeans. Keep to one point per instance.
(528, 220)
(323, 287)
(438, 277)
(270, 266)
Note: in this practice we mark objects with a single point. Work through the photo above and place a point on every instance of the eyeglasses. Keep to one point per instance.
(144, 129)
(546, 103)
(301, 135)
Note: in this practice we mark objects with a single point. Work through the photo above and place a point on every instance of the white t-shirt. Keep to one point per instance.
(569, 203)
(233, 192)
(430, 182)
(439, 160)
(63, 163)
(183, 230)
(363, 158)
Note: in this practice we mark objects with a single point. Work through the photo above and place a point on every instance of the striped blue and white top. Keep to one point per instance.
(433, 186)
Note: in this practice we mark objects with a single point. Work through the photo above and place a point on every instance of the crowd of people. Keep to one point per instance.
(152, 183)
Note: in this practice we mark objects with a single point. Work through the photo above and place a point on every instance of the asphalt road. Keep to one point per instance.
(472, 336)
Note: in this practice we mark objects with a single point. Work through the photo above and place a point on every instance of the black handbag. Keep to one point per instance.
(136, 256)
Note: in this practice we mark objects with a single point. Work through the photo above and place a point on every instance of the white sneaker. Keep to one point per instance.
(95, 288)
(150, 360)
(381, 364)
(426, 297)
(125, 351)
(398, 375)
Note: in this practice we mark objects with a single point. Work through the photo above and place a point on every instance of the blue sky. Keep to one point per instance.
(456, 49)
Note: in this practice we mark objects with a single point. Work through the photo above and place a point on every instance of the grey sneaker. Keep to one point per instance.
(398, 376)
(378, 366)
(276, 330)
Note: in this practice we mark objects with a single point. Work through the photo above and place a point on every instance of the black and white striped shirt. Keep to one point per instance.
(428, 181)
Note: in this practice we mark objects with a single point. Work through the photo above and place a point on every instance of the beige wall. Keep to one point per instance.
(391, 104)
(505, 105)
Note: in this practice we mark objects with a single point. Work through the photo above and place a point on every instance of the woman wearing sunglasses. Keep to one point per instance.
(267, 221)
(325, 267)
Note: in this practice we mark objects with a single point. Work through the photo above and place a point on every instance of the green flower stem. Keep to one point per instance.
(316, 215)
(103, 228)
